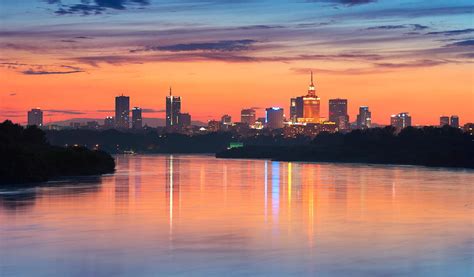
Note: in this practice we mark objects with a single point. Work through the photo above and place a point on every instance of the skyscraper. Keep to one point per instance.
(137, 118)
(454, 121)
(122, 112)
(443, 120)
(401, 120)
(296, 108)
(226, 119)
(173, 109)
(274, 118)
(338, 113)
(311, 105)
(247, 116)
(184, 119)
(364, 118)
(35, 117)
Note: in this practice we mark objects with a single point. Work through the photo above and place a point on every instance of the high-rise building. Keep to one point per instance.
(338, 113)
(401, 120)
(311, 105)
(137, 120)
(213, 126)
(454, 121)
(109, 122)
(35, 117)
(443, 120)
(226, 120)
(296, 108)
(247, 116)
(173, 109)
(274, 118)
(364, 118)
(122, 112)
(184, 120)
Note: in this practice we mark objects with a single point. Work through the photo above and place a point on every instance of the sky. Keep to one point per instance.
(72, 57)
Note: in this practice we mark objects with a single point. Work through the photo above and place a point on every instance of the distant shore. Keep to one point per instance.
(436, 147)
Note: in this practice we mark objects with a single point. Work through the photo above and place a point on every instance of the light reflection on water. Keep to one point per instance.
(197, 215)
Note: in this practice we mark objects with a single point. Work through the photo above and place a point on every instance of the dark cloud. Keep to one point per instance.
(144, 110)
(413, 64)
(415, 27)
(218, 46)
(74, 112)
(452, 32)
(469, 42)
(52, 70)
(345, 2)
(12, 94)
(94, 7)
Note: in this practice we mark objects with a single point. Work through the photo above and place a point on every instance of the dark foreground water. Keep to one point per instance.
(197, 215)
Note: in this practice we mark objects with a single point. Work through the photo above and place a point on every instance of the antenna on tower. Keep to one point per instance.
(312, 78)
(170, 91)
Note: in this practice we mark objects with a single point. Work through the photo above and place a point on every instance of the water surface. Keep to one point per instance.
(197, 215)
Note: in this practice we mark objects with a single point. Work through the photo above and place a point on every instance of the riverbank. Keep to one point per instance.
(439, 147)
(26, 157)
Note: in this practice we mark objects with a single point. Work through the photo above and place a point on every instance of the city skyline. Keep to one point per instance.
(389, 55)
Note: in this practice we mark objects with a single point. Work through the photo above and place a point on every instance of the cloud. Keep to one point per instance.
(86, 7)
(415, 27)
(463, 43)
(40, 69)
(12, 94)
(218, 46)
(73, 112)
(144, 110)
(452, 32)
(346, 2)
(375, 68)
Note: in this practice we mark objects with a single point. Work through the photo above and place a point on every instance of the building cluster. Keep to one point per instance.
(304, 118)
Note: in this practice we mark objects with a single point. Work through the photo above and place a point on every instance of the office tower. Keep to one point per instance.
(213, 126)
(364, 118)
(454, 121)
(311, 105)
(274, 118)
(109, 122)
(443, 120)
(35, 117)
(122, 112)
(338, 113)
(184, 120)
(247, 116)
(296, 108)
(173, 109)
(137, 120)
(226, 120)
(401, 120)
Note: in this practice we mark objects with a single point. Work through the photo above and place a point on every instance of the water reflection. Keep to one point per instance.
(160, 215)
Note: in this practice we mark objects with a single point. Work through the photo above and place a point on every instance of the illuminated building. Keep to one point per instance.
(296, 109)
(443, 121)
(226, 120)
(364, 118)
(401, 120)
(35, 117)
(137, 118)
(122, 112)
(247, 116)
(454, 121)
(213, 126)
(109, 122)
(184, 119)
(274, 118)
(338, 113)
(311, 105)
(173, 109)
(469, 128)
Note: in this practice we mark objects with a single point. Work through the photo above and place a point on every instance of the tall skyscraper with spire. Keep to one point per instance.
(311, 105)
(173, 109)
